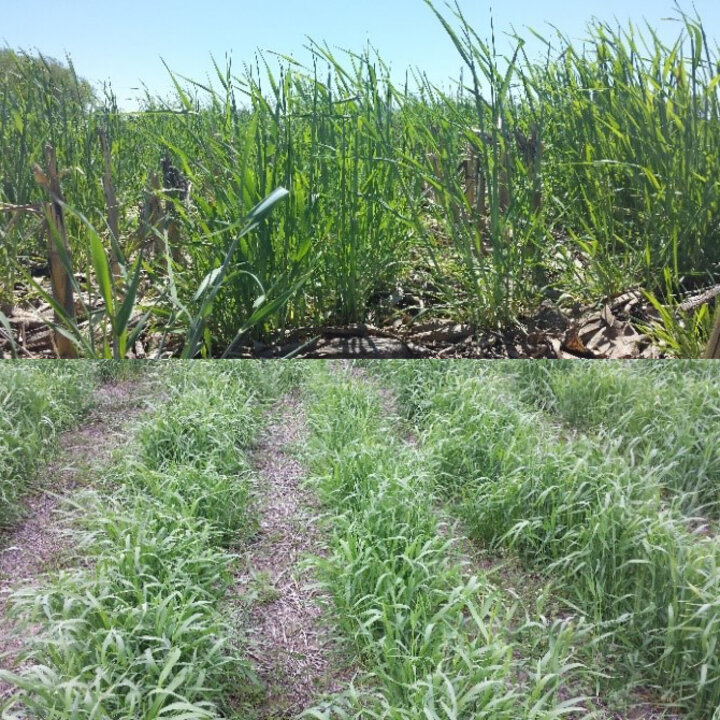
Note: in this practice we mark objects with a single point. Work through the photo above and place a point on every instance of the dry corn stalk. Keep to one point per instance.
(60, 278)
(530, 148)
(176, 187)
(154, 221)
(151, 216)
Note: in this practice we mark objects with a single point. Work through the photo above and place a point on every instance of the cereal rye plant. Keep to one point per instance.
(119, 305)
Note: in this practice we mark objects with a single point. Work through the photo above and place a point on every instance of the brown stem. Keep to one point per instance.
(57, 248)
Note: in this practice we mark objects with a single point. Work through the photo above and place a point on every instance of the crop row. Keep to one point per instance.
(36, 403)
(666, 415)
(430, 635)
(575, 508)
(137, 629)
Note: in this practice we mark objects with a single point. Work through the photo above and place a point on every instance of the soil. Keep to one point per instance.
(38, 542)
(612, 329)
(289, 638)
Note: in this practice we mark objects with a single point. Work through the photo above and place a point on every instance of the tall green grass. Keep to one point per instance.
(634, 126)
(593, 170)
(37, 108)
(326, 134)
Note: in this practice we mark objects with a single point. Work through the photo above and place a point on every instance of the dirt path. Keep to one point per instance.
(37, 543)
(289, 641)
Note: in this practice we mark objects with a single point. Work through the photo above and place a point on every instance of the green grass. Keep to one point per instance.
(669, 414)
(521, 557)
(596, 171)
(139, 631)
(583, 510)
(431, 637)
(36, 404)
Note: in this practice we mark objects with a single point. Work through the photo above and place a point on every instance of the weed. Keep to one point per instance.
(36, 404)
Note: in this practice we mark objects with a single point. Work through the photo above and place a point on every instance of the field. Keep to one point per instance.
(396, 540)
(545, 208)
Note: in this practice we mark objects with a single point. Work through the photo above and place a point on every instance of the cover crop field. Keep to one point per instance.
(396, 540)
(569, 205)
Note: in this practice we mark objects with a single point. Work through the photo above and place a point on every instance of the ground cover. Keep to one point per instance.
(37, 403)
(579, 509)
(666, 413)
(544, 208)
(135, 629)
(102, 398)
(375, 540)
(432, 637)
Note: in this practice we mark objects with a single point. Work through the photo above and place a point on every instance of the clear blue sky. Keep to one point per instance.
(124, 41)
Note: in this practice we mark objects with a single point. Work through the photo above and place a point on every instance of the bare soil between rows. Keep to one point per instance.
(290, 640)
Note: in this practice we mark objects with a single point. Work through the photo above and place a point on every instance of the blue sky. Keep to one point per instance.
(124, 41)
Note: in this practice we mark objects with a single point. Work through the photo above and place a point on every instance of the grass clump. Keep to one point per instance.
(665, 414)
(36, 403)
(430, 638)
(140, 635)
